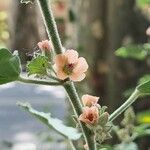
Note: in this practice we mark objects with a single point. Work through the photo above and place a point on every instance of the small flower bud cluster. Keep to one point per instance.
(95, 117)
(125, 133)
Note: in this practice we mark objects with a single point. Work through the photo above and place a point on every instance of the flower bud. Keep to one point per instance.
(89, 100)
(45, 45)
(86, 147)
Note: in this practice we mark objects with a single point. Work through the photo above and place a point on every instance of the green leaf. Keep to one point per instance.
(9, 66)
(126, 146)
(143, 79)
(38, 66)
(56, 124)
(142, 130)
(142, 3)
(144, 88)
(27, 1)
(139, 52)
(144, 117)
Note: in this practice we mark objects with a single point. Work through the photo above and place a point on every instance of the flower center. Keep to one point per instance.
(90, 117)
(68, 68)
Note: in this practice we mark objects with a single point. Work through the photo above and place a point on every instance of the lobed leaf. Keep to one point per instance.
(69, 132)
(38, 66)
(10, 67)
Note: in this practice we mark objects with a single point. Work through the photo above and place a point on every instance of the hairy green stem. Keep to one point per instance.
(42, 82)
(77, 107)
(124, 106)
(70, 88)
(50, 25)
(54, 78)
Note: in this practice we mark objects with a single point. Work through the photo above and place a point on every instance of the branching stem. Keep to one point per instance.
(124, 106)
(42, 82)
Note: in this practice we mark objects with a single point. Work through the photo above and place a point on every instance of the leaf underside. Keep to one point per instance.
(54, 123)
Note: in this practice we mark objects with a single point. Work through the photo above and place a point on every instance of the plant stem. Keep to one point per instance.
(26, 80)
(50, 25)
(124, 106)
(52, 31)
(72, 145)
(77, 107)
(54, 78)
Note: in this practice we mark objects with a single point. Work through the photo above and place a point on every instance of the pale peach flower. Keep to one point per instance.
(89, 100)
(148, 31)
(90, 115)
(70, 65)
(45, 45)
(86, 147)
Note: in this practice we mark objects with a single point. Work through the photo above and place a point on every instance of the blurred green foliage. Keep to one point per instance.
(142, 130)
(143, 79)
(144, 117)
(139, 52)
(142, 3)
(130, 130)
(4, 34)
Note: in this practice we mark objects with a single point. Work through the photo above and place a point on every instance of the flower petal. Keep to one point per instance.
(60, 60)
(61, 75)
(81, 65)
(77, 77)
(89, 100)
(72, 56)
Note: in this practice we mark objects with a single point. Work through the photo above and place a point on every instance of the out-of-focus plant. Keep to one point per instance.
(53, 65)
(140, 52)
(135, 51)
(144, 117)
(143, 3)
(4, 34)
(130, 131)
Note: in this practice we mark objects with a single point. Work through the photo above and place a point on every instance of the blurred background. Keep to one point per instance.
(96, 28)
